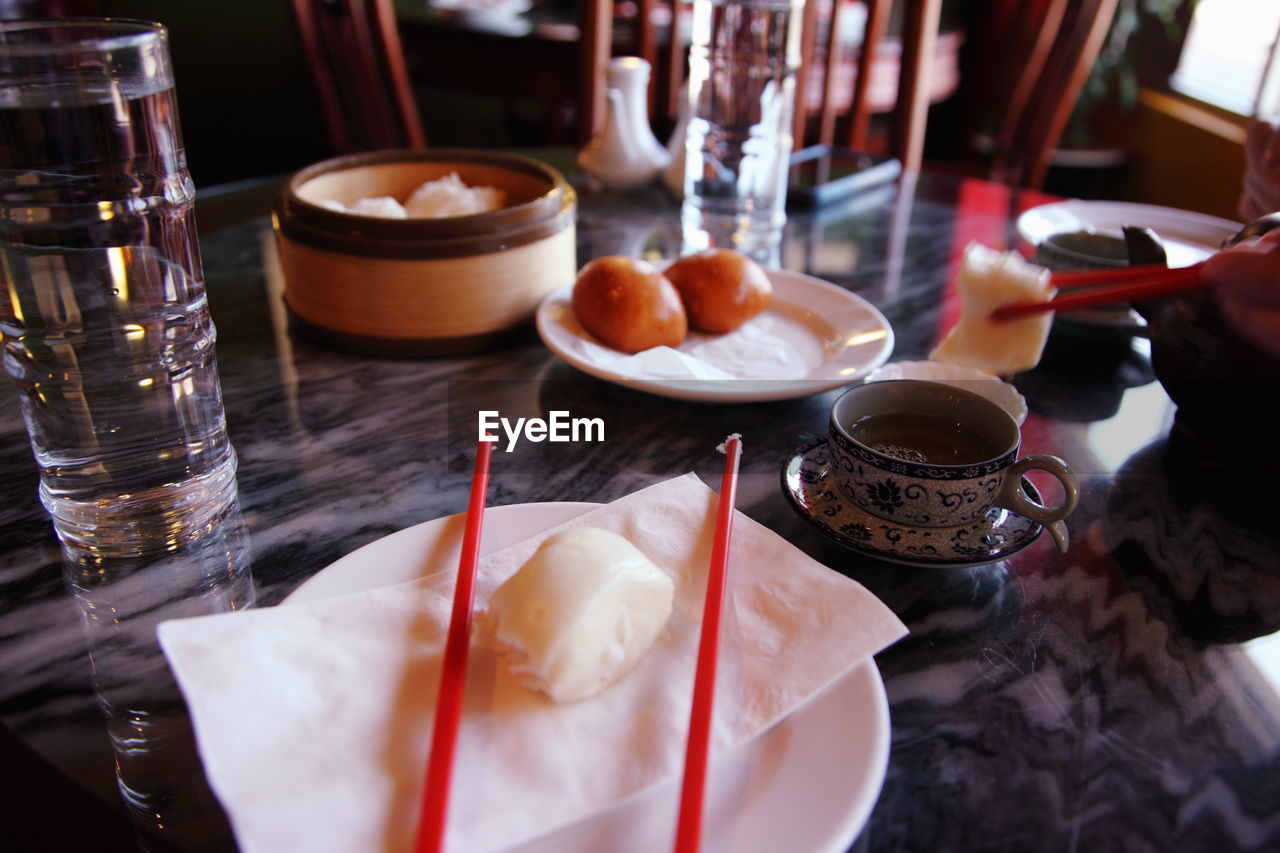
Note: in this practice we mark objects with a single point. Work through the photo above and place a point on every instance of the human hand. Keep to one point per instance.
(1246, 282)
(1261, 191)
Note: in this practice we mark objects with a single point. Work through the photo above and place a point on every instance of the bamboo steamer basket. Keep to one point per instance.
(422, 286)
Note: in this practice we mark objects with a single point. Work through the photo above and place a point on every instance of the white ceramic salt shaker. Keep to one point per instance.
(612, 158)
(630, 76)
(625, 153)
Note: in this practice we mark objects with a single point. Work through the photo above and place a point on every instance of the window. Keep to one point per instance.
(1231, 57)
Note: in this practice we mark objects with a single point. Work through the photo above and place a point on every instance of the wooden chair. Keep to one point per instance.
(820, 44)
(354, 54)
(595, 24)
(919, 40)
(1045, 48)
(671, 86)
(1043, 54)
(1058, 40)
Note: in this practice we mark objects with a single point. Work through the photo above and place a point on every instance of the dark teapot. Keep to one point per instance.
(1225, 386)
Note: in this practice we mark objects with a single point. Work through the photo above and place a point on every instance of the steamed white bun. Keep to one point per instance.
(580, 613)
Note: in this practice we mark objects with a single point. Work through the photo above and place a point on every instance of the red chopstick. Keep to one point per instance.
(1068, 279)
(453, 675)
(1155, 286)
(689, 826)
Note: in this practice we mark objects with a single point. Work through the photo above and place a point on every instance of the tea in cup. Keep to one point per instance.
(934, 455)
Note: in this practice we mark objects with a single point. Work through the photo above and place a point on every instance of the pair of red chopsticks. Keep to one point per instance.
(435, 803)
(1111, 287)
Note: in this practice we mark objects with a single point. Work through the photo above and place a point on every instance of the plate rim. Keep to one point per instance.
(863, 682)
(1080, 209)
(695, 390)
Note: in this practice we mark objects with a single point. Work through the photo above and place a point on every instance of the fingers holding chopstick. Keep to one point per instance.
(1246, 282)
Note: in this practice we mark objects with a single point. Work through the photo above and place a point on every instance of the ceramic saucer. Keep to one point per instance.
(807, 483)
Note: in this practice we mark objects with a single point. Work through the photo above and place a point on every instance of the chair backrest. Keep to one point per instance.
(1046, 50)
(356, 61)
(667, 55)
(821, 55)
(670, 89)
(1059, 40)
(595, 25)
(822, 47)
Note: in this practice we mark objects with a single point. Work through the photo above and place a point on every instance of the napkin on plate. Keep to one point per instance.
(770, 346)
(314, 720)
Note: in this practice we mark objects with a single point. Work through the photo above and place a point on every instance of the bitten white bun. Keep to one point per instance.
(580, 613)
(990, 279)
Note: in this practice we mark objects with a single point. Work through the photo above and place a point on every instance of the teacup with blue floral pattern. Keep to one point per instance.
(933, 495)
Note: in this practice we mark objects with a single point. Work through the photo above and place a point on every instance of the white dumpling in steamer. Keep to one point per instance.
(449, 196)
(383, 206)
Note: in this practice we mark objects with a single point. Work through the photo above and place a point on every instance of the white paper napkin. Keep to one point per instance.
(773, 345)
(314, 720)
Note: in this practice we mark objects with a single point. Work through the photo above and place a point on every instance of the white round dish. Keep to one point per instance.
(993, 388)
(1188, 236)
(807, 784)
(814, 337)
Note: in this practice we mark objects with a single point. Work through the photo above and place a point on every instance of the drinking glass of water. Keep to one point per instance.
(106, 332)
(743, 63)
(105, 324)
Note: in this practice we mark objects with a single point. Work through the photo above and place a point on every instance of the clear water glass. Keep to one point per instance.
(743, 64)
(107, 334)
(105, 322)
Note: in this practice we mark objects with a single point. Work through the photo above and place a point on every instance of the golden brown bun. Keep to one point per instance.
(721, 288)
(629, 304)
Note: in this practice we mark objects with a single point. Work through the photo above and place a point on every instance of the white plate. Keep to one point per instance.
(807, 784)
(825, 336)
(1187, 236)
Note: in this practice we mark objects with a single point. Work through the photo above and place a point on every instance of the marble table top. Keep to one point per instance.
(1120, 696)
